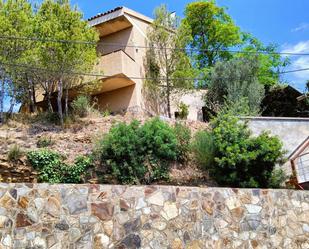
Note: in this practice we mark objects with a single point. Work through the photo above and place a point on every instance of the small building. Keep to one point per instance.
(122, 48)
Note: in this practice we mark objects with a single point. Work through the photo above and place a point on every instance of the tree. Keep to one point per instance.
(56, 20)
(15, 20)
(213, 32)
(234, 80)
(271, 62)
(235, 158)
(168, 66)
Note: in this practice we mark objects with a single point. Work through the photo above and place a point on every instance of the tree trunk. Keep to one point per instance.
(59, 101)
(12, 103)
(66, 107)
(168, 97)
(31, 104)
(1, 102)
(50, 106)
(32, 97)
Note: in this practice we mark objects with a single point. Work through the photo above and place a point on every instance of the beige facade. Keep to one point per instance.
(122, 49)
(122, 46)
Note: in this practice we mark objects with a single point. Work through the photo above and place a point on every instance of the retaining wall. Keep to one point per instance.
(101, 216)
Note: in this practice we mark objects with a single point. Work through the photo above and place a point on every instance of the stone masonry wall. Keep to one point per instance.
(101, 216)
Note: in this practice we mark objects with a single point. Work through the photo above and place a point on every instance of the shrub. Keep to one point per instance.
(44, 142)
(76, 172)
(278, 177)
(159, 139)
(52, 169)
(15, 153)
(81, 106)
(47, 117)
(48, 163)
(121, 151)
(136, 153)
(204, 149)
(242, 160)
(183, 136)
(183, 110)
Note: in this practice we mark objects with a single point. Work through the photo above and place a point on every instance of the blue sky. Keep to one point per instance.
(284, 22)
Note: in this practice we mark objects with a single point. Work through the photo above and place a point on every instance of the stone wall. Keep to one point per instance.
(101, 216)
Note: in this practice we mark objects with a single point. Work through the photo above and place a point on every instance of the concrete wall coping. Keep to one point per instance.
(277, 118)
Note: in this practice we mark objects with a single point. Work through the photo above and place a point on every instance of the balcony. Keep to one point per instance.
(117, 67)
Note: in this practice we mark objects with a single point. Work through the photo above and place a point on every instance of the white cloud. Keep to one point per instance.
(298, 62)
(301, 27)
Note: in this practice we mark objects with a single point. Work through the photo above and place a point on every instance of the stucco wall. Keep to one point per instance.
(292, 131)
(102, 216)
(118, 100)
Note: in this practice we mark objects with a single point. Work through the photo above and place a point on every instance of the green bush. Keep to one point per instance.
(52, 169)
(81, 106)
(204, 149)
(15, 153)
(183, 136)
(183, 110)
(240, 159)
(136, 153)
(49, 165)
(159, 139)
(76, 172)
(46, 118)
(44, 142)
(278, 177)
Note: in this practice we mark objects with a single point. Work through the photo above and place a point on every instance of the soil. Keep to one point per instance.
(78, 139)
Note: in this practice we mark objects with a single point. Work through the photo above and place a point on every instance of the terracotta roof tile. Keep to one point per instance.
(105, 13)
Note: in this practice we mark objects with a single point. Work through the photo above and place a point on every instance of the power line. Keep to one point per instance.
(103, 76)
(114, 44)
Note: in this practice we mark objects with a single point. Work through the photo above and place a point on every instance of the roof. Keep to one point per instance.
(105, 13)
(125, 11)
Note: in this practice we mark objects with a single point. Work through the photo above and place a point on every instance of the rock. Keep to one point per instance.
(7, 240)
(170, 211)
(5, 222)
(156, 199)
(23, 202)
(132, 226)
(101, 241)
(104, 211)
(23, 220)
(159, 225)
(140, 203)
(237, 213)
(63, 226)
(206, 206)
(149, 190)
(6, 201)
(124, 206)
(53, 207)
(39, 243)
(232, 203)
(186, 237)
(253, 209)
(108, 227)
(132, 241)
(13, 193)
(306, 228)
(254, 243)
(177, 244)
(76, 203)
(74, 234)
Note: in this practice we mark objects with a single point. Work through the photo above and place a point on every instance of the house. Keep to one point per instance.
(122, 48)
